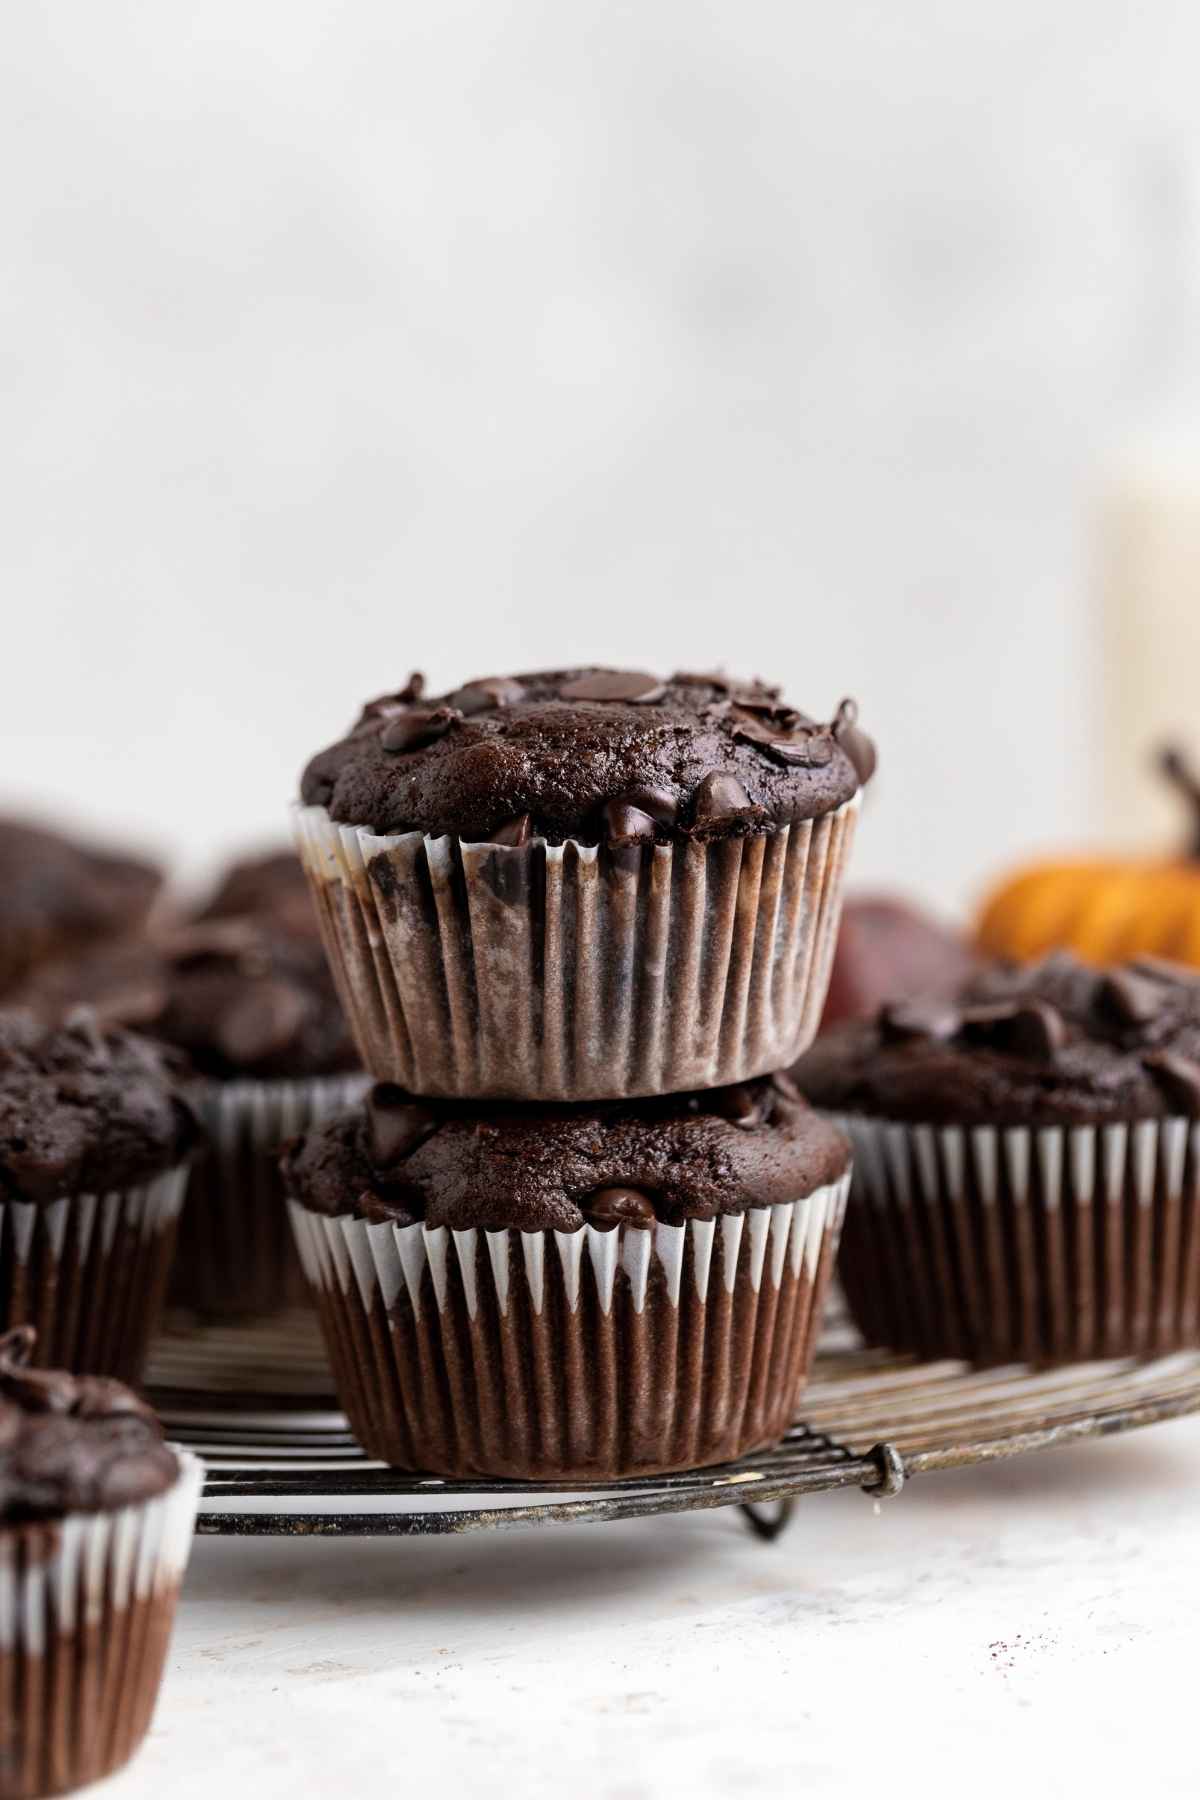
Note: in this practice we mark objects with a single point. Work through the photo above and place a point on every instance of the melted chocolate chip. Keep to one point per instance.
(720, 798)
(715, 679)
(1178, 1077)
(488, 692)
(800, 745)
(614, 684)
(742, 1106)
(613, 1206)
(905, 1019)
(410, 730)
(660, 803)
(1026, 1028)
(1132, 999)
(515, 833)
(388, 705)
(854, 741)
(625, 824)
(396, 1124)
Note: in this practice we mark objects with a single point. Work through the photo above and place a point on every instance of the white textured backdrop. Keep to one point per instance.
(336, 340)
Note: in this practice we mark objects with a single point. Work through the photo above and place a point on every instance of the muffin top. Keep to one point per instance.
(54, 891)
(73, 1443)
(527, 1168)
(83, 1110)
(1048, 1043)
(271, 886)
(238, 996)
(592, 754)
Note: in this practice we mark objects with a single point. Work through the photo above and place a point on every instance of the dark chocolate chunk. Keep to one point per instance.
(515, 833)
(614, 684)
(388, 705)
(1026, 1028)
(612, 1206)
(410, 730)
(659, 802)
(1131, 999)
(625, 824)
(720, 798)
(802, 746)
(854, 741)
(1179, 1079)
(397, 1124)
(488, 692)
(742, 1105)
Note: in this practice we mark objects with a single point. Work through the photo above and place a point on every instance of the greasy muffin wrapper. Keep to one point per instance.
(235, 1256)
(86, 1608)
(1045, 1245)
(89, 1272)
(554, 1354)
(575, 972)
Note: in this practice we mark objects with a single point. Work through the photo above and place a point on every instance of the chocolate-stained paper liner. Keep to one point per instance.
(89, 1272)
(235, 1256)
(556, 1354)
(86, 1608)
(1042, 1245)
(572, 972)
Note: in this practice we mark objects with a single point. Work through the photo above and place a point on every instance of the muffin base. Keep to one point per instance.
(1037, 1245)
(86, 1609)
(89, 1273)
(235, 1255)
(582, 1355)
(567, 972)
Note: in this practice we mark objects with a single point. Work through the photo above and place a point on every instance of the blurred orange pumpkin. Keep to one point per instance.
(1103, 908)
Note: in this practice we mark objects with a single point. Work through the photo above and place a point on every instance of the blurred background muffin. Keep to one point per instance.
(57, 895)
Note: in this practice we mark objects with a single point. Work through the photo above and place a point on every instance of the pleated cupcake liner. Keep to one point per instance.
(86, 1608)
(235, 1256)
(1041, 1245)
(89, 1272)
(589, 1354)
(576, 972)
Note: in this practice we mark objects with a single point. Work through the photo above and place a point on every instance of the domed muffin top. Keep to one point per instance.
(238, 996)
(83, 1110)
(271, 886)
(592, 754)
(529, 1168)
(55, 892)
(73, 1443)
(1049, 1043)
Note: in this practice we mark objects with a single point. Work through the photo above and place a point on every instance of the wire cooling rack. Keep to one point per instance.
(256, 1403)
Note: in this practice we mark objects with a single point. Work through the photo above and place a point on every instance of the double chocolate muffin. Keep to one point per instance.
(578, 1292)
(251, 1007)
(93, 1142)
(1027, 1163)
(582, 884)
(268, 886)
(56, 896)
(96, 1517)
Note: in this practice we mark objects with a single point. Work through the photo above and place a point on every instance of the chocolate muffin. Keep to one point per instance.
(96, 1517)
(57, 896)
(585, 1292)
(582, 884)
(252, 1004)
(1027, 1163)
(251, 1007)
(93, 1142)
(271, 886)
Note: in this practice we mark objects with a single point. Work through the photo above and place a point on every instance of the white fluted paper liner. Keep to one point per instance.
(89, 1273)
(86, 1607)
(1034, 1244)
(553, 972)
(234, 1254)
(553, 1353)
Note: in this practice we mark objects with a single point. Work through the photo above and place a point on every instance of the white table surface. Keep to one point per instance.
(1033, 1622)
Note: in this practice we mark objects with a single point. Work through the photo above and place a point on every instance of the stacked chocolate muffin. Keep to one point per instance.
(578, 920)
